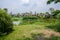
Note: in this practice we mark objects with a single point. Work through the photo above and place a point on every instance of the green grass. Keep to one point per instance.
(16, 18)
(23, 32)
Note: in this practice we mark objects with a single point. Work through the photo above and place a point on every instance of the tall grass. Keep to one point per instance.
(55, 27)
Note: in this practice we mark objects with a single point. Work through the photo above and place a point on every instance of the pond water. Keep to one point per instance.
(16, 23)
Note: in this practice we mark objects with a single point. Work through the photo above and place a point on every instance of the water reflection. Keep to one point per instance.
(16, 23)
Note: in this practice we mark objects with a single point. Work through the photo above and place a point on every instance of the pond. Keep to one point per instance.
(16, 23)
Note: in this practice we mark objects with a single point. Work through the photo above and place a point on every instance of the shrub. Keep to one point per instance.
(6, 25)
(56, 27)
(30, 18)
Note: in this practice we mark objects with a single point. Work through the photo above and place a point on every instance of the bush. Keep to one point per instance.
(56, 27)
(6, 25)
(29, 19)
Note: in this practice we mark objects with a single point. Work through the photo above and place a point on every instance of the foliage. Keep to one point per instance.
(56, 12)
(15, 18)
(22, 32)
(30, 18)
(54, 38)
(58, 16)
(47, 15)
(55, 1)
(55, 27)
(5, 22)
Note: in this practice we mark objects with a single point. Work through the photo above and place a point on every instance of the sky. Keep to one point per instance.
(22, 6)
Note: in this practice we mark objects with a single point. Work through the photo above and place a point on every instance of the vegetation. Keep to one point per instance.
(32, 27)
(55, 1)
(38, 26)
(6, 25)
(56, 26)
(31, 32)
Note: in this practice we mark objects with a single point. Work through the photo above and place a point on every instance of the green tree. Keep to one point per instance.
(6, 9)
(47, 15)
(18, 15)
(6, 25)
(55, 1)
(51, 10)
(56, 12)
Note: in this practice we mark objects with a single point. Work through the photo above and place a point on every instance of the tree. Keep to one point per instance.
(51, 9)
(56, 12)
(6, 25)
(6, 9)
(18, 15)
(55, 1)
(47, 15)
(58, 16)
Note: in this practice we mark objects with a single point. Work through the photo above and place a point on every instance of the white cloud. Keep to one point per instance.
(27, 5)
(25, 1)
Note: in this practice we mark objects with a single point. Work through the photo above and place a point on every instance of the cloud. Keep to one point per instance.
(27, 5)
(25, 1)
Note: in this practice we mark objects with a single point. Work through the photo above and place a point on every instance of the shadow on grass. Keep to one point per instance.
(6, 33)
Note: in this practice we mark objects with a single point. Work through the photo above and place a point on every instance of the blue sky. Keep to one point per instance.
(27, 5)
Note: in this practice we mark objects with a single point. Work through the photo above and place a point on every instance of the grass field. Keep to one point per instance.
(32, 32)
